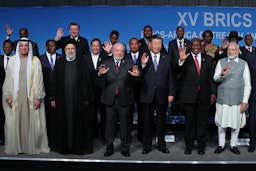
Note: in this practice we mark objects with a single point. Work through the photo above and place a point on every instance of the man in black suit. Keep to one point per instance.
(107, 45)
(249, 55)
(157, 90)
(147, 33)
(93, 62)
(23, 34)
(82, 43)
(198, 91)
(7, 48)
(173, 51)
(135, 55)
(118, 96)
(232, 37)
(48, 60)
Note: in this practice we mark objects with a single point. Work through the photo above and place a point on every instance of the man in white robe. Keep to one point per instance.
(233, 76)
(23, 94)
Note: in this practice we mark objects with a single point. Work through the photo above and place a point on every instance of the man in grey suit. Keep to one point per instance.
(118, 96)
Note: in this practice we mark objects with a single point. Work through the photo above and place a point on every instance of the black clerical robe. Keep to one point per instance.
(72, 90)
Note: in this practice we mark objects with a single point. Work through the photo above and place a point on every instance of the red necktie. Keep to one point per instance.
(249, 50)
(197, 65)
(197, 68)
(117, 67)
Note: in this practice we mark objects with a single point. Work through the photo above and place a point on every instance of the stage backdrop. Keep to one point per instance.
(99, 21)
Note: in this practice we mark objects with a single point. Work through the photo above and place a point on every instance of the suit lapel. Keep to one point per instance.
(191, 60)
(161, 62)
(203, 59)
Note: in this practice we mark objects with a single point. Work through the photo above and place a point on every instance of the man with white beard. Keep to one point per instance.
(233, 75)
(71, 96)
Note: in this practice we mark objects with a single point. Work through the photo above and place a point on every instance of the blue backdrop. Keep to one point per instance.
(99, 21)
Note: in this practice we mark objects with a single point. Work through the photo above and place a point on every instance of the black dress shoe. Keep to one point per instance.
(145, 151)
(201, 151)
(251, 148)
(164, 150)
(188, 151)
(126, 153)
(235, 150)
(108, 153)
(219, 150)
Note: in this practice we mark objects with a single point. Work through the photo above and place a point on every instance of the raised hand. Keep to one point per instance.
(107, 46)
(224, 43)
(59, 33)
(182, 52)
(144, 59)
(103, 69)
(9, 30)
(134, 71)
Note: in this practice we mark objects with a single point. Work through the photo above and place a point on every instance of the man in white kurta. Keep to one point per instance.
(233, 76)
(23, 94)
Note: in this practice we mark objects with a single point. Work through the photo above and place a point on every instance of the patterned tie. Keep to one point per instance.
(51, 62)
(180, 45)
(134, 59)
(117, 68)
(155, 63)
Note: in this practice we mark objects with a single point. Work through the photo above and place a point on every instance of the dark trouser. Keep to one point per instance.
(148, 115)
(196, 123)
(114, 112)
(252, 122)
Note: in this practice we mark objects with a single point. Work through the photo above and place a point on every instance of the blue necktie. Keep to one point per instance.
(155, 63)
(51, 62)
(134, 59)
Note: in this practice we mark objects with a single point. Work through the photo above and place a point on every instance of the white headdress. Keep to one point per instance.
(17, 66)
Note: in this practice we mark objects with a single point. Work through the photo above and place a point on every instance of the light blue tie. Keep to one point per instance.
(51, 61)
(155, 63)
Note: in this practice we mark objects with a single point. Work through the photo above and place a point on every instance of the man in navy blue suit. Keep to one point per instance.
(173, 51)
(249, 55)
(48, 60)
(157, 90)
(135, 55)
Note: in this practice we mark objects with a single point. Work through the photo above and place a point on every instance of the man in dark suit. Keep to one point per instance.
(173, 51)
(107, 45)
(7, 48)
(48, 60)
(23, 34)
(147, 33)
(135, 55)
(82, 43)
(118, 96)
(232, 37)
(93, 62)
(198, 91)
(249, 55)
(157, 90)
